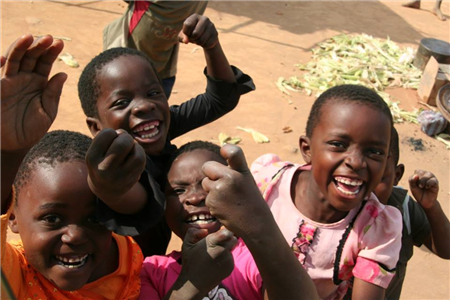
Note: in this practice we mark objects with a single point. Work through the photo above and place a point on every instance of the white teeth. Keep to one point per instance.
(149, 127)
(348, 181)
(147, 136)
(72, 262)
(201, 219)
(348, 192)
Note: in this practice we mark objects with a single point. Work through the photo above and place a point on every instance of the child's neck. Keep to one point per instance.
(310, 201)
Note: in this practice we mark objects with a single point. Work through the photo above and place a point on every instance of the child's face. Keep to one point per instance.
(131, 98)
(55, 217)
(186, 196)
(348, 151)
(391, 176)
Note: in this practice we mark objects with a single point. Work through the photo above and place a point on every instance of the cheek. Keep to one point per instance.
(174, 213)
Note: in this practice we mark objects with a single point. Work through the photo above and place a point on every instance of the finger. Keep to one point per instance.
(100, 145)
(45, 62)
(2, 61)
(223, 238)
(52, 94)
(135, 162)
(431, 183)
(194, 235)
(214, 170)
(121, 147)
(34, 52)
(199, 29)
(182, 38)
(413, 180)
(235, 158)
(189, 25)
(15, 54)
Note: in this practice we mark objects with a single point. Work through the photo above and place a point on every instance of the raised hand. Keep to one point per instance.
(199, 30)
(206, 260)
(115, 163)
(425, 188)
(234, 199)
(29, 100)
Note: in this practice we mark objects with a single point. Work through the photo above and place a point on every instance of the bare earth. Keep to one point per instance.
(265, 40)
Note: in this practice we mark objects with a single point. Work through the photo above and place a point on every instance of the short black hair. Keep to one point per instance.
(394, 146)
(346, 93)
(55, 147)
(195, 145)
(89, 85)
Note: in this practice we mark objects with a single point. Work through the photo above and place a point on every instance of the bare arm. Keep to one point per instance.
(366, 291)
(200, 30)
(236, 201)
(425, 187)
(29, 101)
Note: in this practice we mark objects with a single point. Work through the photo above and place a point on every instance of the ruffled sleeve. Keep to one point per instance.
(373, 246)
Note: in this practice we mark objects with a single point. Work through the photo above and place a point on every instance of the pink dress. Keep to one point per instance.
(159, 273)
(365, 244)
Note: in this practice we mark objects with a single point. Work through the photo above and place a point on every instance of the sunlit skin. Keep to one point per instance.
(185, 194)
(55, 217)
(347, 151)
(131, 98)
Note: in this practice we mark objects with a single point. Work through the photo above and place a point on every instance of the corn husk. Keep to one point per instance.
(444, 138)
(226, 139)
(257, 136)
(69, 60)
(363, 60)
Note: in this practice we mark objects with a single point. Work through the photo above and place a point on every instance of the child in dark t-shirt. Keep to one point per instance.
(128, 113)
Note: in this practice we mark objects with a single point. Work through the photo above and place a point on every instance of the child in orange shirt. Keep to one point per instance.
(65, 253)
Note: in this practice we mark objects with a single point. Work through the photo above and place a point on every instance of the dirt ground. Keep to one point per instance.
(265, 40)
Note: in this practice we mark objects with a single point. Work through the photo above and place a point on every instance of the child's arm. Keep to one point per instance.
(116, 162)
(200, 30)
(235, 200)
(366, 290)
(206, 260)
(29, 101)
(425, 188)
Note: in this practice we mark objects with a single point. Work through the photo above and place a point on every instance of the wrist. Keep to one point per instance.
(432, 209)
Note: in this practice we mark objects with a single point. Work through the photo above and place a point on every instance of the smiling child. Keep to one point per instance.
(337, 228)
(64, 253)
(120, 89)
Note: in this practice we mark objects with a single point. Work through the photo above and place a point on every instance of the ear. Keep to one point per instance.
(305, 148)
(94, 125)
(12, 222)
(399, 170)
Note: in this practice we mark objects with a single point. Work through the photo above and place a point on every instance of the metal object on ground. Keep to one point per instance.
(443, 101)
(432, 47)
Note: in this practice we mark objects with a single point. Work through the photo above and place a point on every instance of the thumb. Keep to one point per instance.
(193, 236)
(235, 158)
(223, 238)
(183, 38)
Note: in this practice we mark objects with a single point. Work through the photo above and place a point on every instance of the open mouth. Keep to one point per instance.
(72, 261)
(201, 219)
(147, 130)
(347, 186)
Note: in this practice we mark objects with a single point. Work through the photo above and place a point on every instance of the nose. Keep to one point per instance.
(142, 105)
(355, 160)
(74, 235)
(196, 196)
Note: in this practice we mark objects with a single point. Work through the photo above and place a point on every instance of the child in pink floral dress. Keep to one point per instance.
(340, 232)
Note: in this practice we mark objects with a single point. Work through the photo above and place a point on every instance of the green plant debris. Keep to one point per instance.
(69, 60)
(257, 136)
(226, 139)
(363, 60)
(444, 138)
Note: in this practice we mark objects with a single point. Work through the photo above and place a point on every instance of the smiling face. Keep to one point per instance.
(347, 151)
(185, 195)
(55, 217)
(391, 177)
(131, 98)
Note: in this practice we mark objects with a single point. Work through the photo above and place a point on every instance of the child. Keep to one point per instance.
(417, 229)
(339, 231)
(203, 266)
(65, 253)
(120, 89)
(436, 9)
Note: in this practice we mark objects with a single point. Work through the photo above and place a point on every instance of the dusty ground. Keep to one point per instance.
(265, 39)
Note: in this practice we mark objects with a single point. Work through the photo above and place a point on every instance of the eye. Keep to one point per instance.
(377, 152)
(52, 220)
(179, 191)
(337, 144)
(121, 103)
(153, 93)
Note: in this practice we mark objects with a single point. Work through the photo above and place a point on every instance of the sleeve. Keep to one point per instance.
(156, 276)
(143, 221)
(420, 227)
(379, 245)
(11, 259)
(220, 98)
(148, 286)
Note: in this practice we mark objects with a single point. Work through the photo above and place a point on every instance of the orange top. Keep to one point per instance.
(27, 283)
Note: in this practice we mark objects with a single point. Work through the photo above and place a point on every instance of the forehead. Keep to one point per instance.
(192, 161)
(64, 183)
(357, 119)
(125, 68)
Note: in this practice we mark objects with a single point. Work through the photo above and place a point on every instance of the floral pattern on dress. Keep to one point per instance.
(303, 240)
